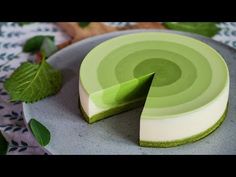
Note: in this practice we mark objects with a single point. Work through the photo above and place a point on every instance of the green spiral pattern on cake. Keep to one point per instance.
(173, 74)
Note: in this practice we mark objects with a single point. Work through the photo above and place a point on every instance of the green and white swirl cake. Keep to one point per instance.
(182, 84)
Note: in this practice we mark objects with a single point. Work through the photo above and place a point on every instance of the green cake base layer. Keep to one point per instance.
(111, 112)
(166, 144)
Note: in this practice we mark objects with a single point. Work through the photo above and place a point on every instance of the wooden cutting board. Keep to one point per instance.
(78, 33)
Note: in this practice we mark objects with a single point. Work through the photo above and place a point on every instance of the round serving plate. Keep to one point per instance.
(71, 134)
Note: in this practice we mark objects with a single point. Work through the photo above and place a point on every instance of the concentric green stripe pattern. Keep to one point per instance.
(177, 73)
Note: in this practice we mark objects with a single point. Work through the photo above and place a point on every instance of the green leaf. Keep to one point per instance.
(3, 145)
(83, 24)
(208, 29)
(48, 46)
(40, 132)
(24, 23)
(34, 44)
(33, 82)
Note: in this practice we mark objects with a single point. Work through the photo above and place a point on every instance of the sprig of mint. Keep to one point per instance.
(208, 29)
(34, 44)
(3, 145)
(83, 24)
(40, 132)
(33, 82)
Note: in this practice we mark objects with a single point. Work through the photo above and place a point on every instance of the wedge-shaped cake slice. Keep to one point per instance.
(182, 84)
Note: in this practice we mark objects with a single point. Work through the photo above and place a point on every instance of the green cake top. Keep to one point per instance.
(187, 73)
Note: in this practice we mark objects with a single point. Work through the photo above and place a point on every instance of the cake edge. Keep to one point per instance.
(192, 139)
(161, 144)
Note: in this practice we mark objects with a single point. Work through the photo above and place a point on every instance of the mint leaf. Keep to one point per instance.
(83, 24)
(33, 82)
(3, 145)
(208, 29)
(34, 44)
(48, 47)
(40, 132)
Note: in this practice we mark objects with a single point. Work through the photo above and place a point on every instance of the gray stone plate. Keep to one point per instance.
(70, 134)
